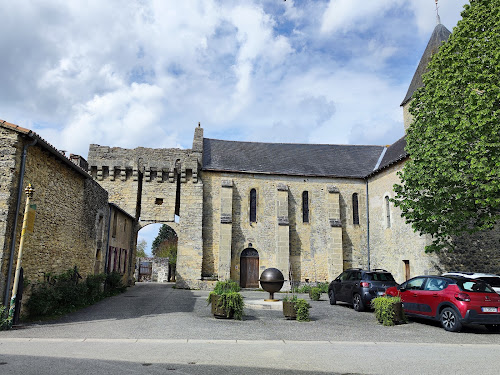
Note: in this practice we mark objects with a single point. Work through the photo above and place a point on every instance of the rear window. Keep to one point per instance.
(380, 276)
(493, 281)
(474, 286)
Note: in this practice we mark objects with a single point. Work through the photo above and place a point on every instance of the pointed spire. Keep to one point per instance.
(439, 35)
(438, 19)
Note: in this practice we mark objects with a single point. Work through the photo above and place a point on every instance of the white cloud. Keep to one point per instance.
(349, 15)
(143, 73)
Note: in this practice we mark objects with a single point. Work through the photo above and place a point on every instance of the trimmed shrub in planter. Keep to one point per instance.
(389, 310)
(296, 308)
(226, 300)
(315, 294)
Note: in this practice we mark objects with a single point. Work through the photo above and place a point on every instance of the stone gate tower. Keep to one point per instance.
(155, 185)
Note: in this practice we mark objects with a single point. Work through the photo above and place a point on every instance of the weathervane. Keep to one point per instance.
(438, 19)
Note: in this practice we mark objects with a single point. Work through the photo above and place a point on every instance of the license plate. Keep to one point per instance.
(489, 309)
(380, 293)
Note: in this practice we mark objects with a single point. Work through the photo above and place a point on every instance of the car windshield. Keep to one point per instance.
(493, 281)
(380, 276)
(474, 286)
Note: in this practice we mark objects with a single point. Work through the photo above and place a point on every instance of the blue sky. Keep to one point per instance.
(143, 73)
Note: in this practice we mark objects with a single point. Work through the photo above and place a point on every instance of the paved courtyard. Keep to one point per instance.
(153, 326)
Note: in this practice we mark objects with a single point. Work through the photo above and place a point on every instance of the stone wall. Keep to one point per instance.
(121, 245)
(392, 246)
(155, 186)
(407, 116)
(142, 181)
(317, 250)
(478, 252)
(10, 158)
(69, 207)
(159, 269)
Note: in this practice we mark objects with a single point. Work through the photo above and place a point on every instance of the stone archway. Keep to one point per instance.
(249, 268)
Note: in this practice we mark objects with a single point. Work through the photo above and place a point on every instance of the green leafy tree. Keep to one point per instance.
(141, 248)
(167, 250)
(165, 242)
(451, 184)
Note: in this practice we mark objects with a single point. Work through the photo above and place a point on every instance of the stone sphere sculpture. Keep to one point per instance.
(271, 280)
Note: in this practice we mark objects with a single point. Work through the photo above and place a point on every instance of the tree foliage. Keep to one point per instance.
(451, 184)
(141, 248)
(165, 243)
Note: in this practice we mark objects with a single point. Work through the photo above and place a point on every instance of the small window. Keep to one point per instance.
(253, 206)
(159, 201)
(355, 209)
(388, 212)
(305, 207)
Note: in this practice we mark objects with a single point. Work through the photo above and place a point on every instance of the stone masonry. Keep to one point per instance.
(155, 185)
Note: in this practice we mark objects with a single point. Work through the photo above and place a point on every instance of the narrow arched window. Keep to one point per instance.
(355, 209)
(253, 206)
(387, 212)
(305, 207)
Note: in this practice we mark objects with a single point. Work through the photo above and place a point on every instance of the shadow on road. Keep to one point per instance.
(17, 364)
(140, 300)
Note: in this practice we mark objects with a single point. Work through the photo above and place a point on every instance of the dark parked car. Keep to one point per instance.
(358, 287)
(452, 300)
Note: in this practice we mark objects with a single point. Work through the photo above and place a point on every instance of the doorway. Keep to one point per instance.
(407, 269)
(249, 268)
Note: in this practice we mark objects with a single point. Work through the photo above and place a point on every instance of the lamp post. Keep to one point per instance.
(29, 194)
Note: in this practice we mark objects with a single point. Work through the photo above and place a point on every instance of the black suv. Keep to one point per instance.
(358, 287)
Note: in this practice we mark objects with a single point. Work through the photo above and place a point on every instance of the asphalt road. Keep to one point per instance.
(156, 329)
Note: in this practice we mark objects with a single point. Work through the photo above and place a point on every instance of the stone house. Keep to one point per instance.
(71, 217)
(121, 244)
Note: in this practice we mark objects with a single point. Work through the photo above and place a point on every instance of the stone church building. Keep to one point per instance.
(310, 210)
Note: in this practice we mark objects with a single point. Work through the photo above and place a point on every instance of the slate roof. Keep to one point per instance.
(439, 35)
(290, 159)
(394, 153)
(45, 145)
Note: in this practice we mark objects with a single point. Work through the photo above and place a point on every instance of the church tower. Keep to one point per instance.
(438, 37)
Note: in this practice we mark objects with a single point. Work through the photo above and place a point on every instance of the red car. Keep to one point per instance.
(453, 301)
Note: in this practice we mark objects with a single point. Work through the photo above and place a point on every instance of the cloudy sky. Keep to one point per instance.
(145, 72)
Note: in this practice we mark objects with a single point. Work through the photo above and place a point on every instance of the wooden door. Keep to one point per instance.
(249, 274)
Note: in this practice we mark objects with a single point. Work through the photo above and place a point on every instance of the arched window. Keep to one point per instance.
(253, 206)
(387, 212)
(305, 207)
(355, 210)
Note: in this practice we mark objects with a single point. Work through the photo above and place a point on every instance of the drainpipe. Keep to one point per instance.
(367, 224)
(18, 207)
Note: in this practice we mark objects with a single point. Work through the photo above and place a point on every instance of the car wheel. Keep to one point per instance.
(357, 303)
(450, 320)
(493, 327)
(331, 296)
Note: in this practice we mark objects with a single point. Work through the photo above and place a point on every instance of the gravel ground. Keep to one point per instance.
(159, 311)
